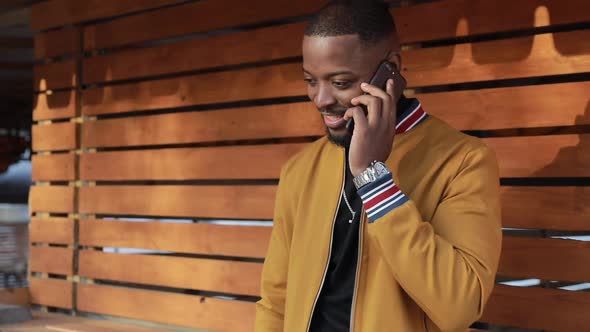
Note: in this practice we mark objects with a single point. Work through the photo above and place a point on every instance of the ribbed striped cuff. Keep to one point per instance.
(381, 196)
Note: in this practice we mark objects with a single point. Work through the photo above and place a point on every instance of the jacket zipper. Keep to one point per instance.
(315, 301)
(358, 267)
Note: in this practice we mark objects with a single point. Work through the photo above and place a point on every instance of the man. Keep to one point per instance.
(391, 226)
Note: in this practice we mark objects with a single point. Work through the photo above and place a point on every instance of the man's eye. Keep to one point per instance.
(310, 81)
(341, 84)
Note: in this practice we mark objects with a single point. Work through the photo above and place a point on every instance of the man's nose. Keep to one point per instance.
(324, 97)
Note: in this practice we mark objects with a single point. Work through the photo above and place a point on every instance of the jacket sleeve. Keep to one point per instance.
(270, 309)
(448, 265)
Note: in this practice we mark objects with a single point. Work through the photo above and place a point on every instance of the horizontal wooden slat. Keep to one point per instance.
(16, 296)
(551, 259)
(55, 75)
(58, 105)
(254, 83)
(454, 18)
(191, 18)
(58, 42)
(285, 41)
(209, 239)
(548, 54)
(228, 202)
(55, 136)
(54, 167)
(543, 156)
(557, 208)
(445, 19)
(51, 260)
(514, 107)
(256, 162)
(51, 230)
(168, 308)
(7, 43)
(539, 55)
(274, 121)
(52, 322)
(51, 292)
(58, 199)
(243, 47)
(538, 308)
(179, 272)
(16, 64)
(48, 14)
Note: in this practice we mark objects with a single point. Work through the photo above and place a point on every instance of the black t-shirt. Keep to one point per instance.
(333, 308)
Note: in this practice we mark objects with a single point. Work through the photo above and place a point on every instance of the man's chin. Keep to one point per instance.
(341, 138)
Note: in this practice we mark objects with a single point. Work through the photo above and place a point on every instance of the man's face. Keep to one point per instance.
(334, 68)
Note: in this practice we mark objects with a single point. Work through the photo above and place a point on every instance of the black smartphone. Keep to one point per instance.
(384, 72)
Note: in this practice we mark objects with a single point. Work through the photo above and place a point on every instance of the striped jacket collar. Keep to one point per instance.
(411, 116)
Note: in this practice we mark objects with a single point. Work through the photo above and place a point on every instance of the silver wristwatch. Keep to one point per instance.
(372, 173)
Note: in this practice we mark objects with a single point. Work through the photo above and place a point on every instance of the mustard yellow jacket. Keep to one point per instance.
(427, 265)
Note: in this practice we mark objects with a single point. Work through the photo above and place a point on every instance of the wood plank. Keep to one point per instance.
(562, 104)
(243, 47)
(57, 42)
(208, 239)
(192, 18)
(545, 54)
(224, 202)
(446, 19)
(550, 259)
(55, 13)
(51, 292)
(168, 308)
(256, 162)
(263, 122)
(18, 296)
(52, 322)
(51, 260)
(57, 199)
(9, 42)
(54, 167)
(57, 105)
(55, 136)
(55, 75)
(51, 230)
(285, 40)
(456, 18)
(16, 65)
(543, 156)
(539, 55)
(179, 272)
(556, 208)
(538, 308)
(253, 83)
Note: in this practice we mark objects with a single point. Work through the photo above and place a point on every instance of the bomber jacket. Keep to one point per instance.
(429, 240)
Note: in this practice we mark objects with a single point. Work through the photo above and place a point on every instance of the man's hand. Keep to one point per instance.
(373, 134)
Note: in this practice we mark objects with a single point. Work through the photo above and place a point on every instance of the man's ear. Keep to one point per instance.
(396, 59)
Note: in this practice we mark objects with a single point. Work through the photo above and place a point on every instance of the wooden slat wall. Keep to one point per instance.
(152, 132)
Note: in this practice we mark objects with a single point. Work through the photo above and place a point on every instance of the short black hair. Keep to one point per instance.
(369, 19)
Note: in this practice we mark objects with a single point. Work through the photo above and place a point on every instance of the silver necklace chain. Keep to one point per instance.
(352, 212)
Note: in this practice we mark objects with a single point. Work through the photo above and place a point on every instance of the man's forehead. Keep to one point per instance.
(331, 45)
(335, 51)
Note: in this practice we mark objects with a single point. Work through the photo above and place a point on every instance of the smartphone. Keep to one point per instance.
(384, 72)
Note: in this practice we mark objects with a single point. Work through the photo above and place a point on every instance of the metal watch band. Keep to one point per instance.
(372, 173)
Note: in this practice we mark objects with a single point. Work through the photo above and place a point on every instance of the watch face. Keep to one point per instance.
(380, 168)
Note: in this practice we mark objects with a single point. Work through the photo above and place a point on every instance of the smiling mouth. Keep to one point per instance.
(333, 120)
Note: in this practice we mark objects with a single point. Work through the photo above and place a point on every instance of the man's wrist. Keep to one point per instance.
(373, 172)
